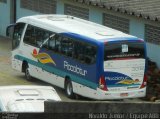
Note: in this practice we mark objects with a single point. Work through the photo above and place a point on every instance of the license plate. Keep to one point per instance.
(124, 94)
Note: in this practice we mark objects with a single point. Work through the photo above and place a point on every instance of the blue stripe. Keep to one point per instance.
(58, 72)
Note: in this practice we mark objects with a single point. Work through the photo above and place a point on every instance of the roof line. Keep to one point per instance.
(118, 8)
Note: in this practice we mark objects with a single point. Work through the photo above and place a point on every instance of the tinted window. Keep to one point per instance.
(36, 36)
(18, 30)
(83, 52)
(124, 50)
(67, 46)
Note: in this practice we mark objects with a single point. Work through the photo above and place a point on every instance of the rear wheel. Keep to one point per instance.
(27, 73)
(69, 89)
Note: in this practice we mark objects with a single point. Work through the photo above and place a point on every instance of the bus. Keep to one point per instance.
(83, 57)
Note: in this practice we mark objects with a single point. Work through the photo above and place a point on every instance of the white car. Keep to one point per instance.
(26, 98)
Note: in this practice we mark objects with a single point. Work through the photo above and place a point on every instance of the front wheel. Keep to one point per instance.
(27, 74)
(69, 89)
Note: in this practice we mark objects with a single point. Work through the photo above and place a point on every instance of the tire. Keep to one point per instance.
(69, 89)
(27, 74)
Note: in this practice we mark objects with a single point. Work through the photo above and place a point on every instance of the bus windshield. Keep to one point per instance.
(124, 50)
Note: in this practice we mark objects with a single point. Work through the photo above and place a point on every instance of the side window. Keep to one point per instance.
(36, 36)
(85, 53)
(90, 54)
(60, 44)
(55, 43)
(41, 36)
(52, 43)
(29, 37)
(81, 51)
(66, 46)
(18, 30)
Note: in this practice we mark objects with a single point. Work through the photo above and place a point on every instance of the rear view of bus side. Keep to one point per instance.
(82, 57)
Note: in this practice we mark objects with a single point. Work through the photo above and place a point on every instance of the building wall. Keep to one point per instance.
(4, 16)
(21, 12)
(60, 7)
(95, 15)
(153, 52)
(153, 49)
(136, 25)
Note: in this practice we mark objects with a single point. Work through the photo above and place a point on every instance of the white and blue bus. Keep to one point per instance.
(82, 57)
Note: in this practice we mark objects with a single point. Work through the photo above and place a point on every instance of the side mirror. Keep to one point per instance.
(10, 30)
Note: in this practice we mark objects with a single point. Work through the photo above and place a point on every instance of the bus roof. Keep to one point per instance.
(72, 25)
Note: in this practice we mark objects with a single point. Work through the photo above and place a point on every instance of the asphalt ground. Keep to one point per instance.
(9, 76)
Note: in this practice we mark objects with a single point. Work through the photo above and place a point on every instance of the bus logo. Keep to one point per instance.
(74, 69)
(44, 58)
(129, 82)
